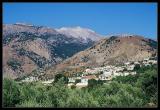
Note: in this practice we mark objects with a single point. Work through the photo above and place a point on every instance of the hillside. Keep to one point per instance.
(115, 50)
(27, 48)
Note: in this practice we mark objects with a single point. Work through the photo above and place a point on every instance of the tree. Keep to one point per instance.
(148, 82)
(129, 79)
(137, 67)
(92, 83)
(59, 76)
(58, 94)
(11, 93)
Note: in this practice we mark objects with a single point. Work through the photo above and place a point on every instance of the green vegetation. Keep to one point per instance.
(37, 59)
(152, 43)
(70, 49)
(11, 93)
(59, 76)
(92, 83)
(128, 91)
(14, 63)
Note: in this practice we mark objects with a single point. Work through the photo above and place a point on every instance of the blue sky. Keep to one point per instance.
(103, 18)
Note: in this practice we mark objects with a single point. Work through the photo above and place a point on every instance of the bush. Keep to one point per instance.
(73, 87)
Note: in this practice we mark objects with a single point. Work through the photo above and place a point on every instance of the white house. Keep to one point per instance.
(85, 79)
(115, 74)
(119, 68)
(107, 72)
(71, 80)
(146, 59)
(127, 63)
(80, 85)
(126, 73)
(48, 82)
(105, 77)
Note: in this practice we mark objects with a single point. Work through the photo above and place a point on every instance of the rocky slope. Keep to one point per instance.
(114, 50)
(28, 47)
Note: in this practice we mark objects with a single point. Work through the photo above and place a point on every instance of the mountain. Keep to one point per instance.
(114, 50)
(81, 33)
(27, 48)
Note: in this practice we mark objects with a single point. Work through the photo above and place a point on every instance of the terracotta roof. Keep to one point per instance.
(90, 77)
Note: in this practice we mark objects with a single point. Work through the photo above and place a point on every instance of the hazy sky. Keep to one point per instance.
(103, 18)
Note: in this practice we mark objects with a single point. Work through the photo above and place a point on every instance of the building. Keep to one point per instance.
(30, 79)
(85, 79)
(119, 68)
(90, 71)
(80, 85)
(127, 63)
(105, 77)
(48, 82)
(71, 80)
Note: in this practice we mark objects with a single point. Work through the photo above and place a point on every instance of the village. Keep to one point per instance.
(105, 73)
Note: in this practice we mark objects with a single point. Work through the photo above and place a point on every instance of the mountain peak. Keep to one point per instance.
(23, 24)
(80, 33)
(77, 28)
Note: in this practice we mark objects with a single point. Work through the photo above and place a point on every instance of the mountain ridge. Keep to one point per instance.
(28, 48)
(33, 47)
(114, 50)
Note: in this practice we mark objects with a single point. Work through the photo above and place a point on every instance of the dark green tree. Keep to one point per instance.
(92, 83)
(59, 76)
(137, 67)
